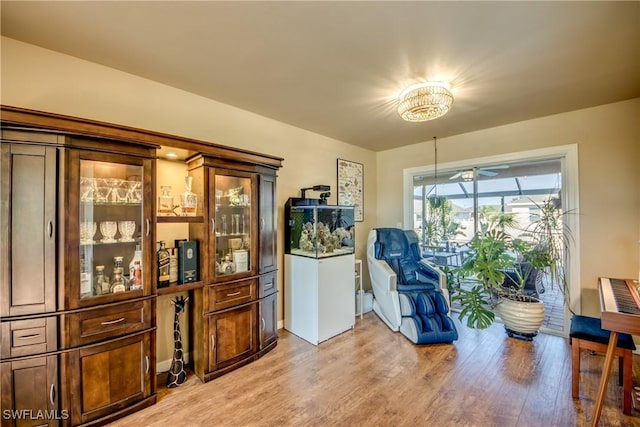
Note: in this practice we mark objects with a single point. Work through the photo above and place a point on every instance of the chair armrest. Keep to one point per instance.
(381, 274)
(442, 278)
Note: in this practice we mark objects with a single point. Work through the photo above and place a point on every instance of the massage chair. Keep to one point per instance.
(410, 295)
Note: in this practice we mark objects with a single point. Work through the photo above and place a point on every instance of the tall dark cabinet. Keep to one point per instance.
(78, 203)
(240, 284)
(28, 236)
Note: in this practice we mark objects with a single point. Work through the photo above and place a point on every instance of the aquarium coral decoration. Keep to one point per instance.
(325, 241)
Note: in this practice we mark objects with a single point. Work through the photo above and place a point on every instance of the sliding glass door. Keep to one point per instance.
(449, 209)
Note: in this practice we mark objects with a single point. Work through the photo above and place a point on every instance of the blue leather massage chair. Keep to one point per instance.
(410, 295)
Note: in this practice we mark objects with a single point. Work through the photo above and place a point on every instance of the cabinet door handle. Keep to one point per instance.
(148, 226)
(52, 394)
(261, 224)
(50, 228)
(28, 337)
(213, 226)
(213, 342)
(111, 322)
(264, 324)
(233, 294)
(146, 361)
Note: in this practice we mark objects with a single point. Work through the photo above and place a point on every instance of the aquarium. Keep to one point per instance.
(319, 231)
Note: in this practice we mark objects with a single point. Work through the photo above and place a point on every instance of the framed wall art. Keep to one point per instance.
(351, 187)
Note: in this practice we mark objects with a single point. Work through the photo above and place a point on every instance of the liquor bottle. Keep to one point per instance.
(137, 256)
(173, 262)
(136, 278)
(164, 266)
(118, 284)
(165, 201)
(86, 287)
(101, 283)
(188, 199)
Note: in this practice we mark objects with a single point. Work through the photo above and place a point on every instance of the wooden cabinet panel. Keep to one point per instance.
(231, 294)
(28, 212)
(268, 224)
(29, 336)
(268, 284)
(269, 320)
(89, 326)
(108, 377)
(232, 336)
(28, 387)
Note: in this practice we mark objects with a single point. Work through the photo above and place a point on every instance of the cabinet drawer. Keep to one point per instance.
(268, 284)
(27, 337)
(95, 325)
(231, 294)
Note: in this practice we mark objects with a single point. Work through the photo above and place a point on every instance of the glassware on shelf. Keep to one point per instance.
(134, 191)
(102, 191)
(114, 184)
(127, 228)
(121, 194)
(188, 199)
(224, 224)
(87, 231)
(87, 189)
(235, 223)
(108, 230)
(165, 201)
(101, 283)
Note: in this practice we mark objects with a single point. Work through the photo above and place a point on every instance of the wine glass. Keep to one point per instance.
(87, 231)
(126, 228)
(134, 191)
(108, 230)
(87, 189)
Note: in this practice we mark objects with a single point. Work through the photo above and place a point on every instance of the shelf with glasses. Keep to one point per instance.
(100, 242)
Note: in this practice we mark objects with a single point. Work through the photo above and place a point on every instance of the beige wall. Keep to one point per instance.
(608, 139)
(44, 80)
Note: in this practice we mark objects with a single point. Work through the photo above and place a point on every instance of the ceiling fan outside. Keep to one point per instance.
(467, 174)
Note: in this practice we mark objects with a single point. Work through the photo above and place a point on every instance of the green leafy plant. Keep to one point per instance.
(541, 247)
(439, 222)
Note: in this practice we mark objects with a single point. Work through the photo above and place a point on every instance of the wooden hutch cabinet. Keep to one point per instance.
(78, 313)
(241, 260)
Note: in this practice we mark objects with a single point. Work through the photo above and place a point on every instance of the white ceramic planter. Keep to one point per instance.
(522, 317)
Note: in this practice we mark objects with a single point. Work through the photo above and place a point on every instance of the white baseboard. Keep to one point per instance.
(165, 365)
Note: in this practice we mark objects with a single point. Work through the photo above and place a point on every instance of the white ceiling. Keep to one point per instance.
(334, 68)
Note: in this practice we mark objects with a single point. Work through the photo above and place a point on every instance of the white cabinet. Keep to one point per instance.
(319, 302)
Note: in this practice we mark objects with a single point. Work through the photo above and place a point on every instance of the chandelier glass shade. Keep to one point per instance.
(425, 101)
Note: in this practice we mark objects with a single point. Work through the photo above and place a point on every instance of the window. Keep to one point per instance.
(446, 211)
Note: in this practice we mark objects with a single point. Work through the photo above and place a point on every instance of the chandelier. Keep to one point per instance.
(425, 101)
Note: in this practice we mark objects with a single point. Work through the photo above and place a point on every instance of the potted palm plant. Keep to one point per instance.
(496, 258)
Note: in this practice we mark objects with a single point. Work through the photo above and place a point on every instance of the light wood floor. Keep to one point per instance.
(374, 377)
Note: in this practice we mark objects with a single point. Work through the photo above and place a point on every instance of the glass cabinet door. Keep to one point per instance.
(110, 221)
(233, 219)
